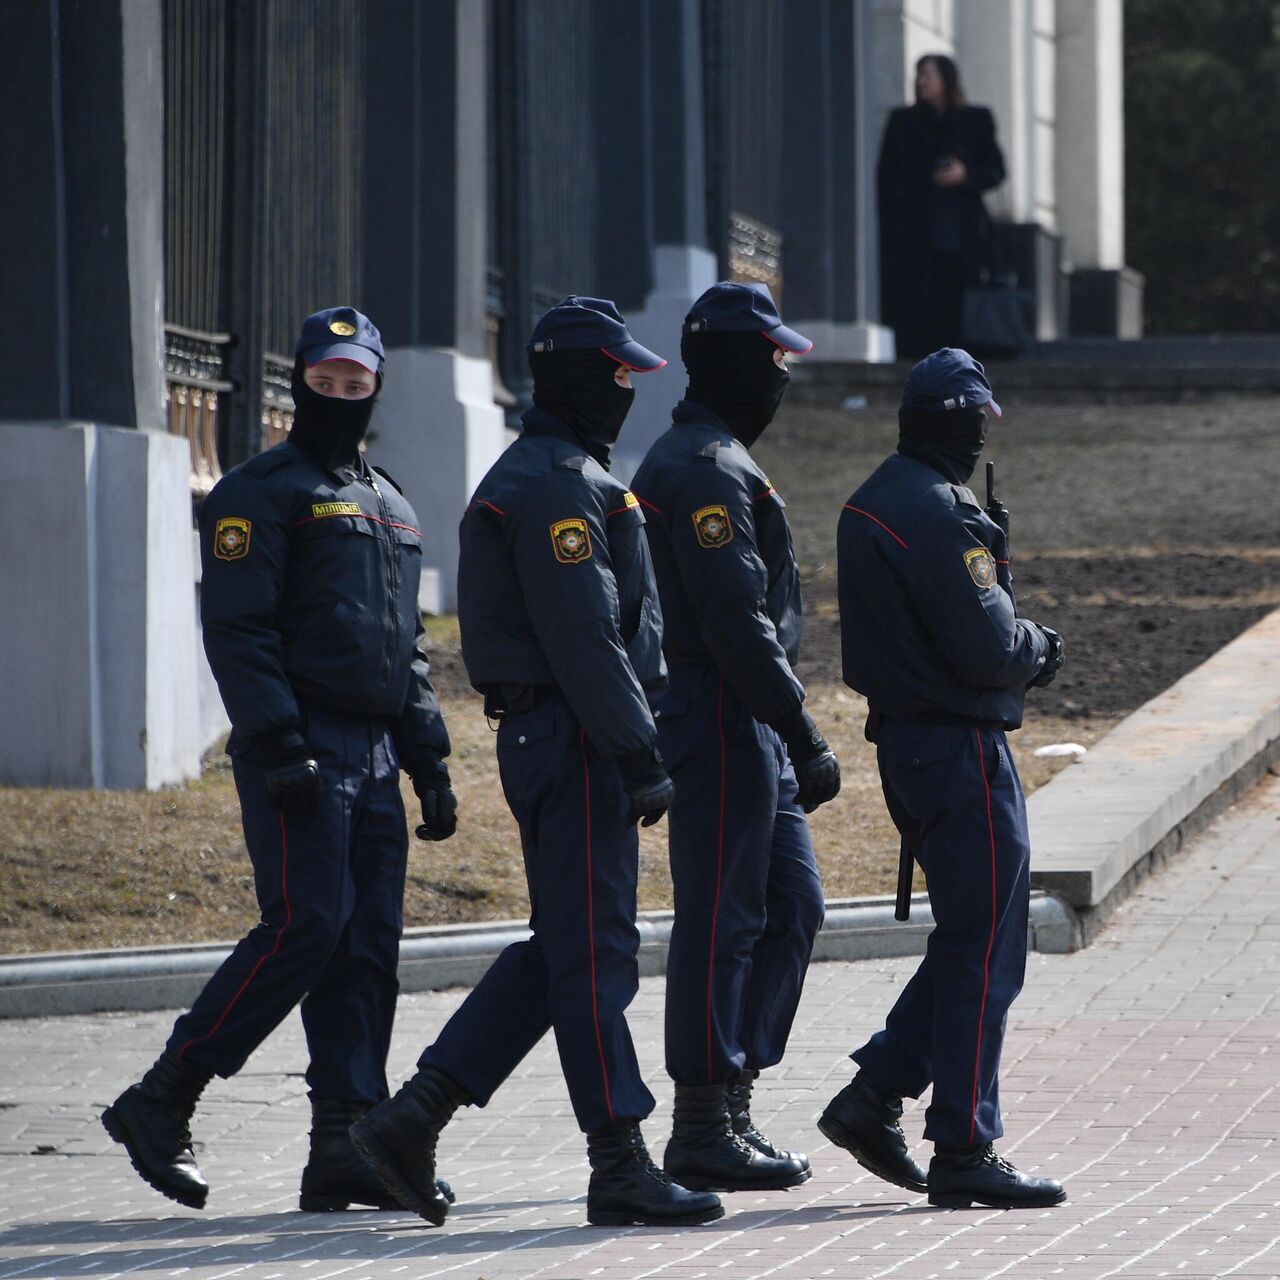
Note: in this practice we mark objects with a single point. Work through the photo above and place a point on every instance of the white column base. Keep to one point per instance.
(97, 611)
(858, 341)
(437, 431)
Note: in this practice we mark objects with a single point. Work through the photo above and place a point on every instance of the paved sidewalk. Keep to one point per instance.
(1144, 1071)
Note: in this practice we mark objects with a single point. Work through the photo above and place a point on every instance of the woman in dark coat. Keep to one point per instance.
(936, 159)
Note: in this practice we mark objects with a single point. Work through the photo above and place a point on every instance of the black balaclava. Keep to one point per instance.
(578, 387)
(736, 377)
(949, 441)
(329, 428)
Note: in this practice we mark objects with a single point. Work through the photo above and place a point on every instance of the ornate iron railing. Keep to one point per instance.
(277, 398)
(755, 253)
(196, 387)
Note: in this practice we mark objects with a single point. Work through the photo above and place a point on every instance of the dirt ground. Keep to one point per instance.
(1149, 535)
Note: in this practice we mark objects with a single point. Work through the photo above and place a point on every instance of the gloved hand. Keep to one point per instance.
(646, 783)
(816, 766)
(293, 777)
(1054, 662)
(434, 789)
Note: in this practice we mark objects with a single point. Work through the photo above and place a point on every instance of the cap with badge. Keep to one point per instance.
(340, 333)
(585, 324)
(948, 379)
(734, 307)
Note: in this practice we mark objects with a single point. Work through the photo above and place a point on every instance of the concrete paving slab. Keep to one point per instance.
(1143, 1071)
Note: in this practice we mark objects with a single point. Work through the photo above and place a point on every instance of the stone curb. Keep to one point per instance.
(143, 978)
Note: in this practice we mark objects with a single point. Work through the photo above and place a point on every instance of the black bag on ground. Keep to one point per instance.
(999, 317)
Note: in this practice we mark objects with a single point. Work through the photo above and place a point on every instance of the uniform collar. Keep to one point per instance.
(536, 421)
(689, 413)
(347, 473)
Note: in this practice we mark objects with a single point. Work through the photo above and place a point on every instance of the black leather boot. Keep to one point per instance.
(738, 1099)
(337, 1175)
(153, 1121)
(628, 1189)
(959, 1177)
(863, 1119)
(704, 1152)
(398, 1138)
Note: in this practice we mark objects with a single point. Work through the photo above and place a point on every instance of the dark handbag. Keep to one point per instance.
(999, 318)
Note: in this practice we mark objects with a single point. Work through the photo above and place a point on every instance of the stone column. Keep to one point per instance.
(436, 428)
(97, 603)
(1106, 296)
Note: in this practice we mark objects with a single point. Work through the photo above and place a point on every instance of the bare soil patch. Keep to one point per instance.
(1149, 535)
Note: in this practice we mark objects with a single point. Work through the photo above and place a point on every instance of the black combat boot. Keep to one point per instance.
(738, 1099)
(628, 1189)
(153, 1121)
(863, 1119)
(704, 1152)
(961, 1176)
(398, 1138)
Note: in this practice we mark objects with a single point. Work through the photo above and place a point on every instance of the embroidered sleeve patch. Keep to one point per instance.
(713, 526)
(321, 509)
(629, 499)
(981, 566)
(231, 538)
(571, 541)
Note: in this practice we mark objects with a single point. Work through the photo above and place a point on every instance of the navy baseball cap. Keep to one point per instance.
(948, 379)
(581, 324)
(734, 307)
(340, 333)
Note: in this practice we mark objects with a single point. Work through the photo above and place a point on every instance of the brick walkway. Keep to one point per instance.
(1144, 1072)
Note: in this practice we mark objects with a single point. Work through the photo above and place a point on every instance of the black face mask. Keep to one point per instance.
(327, 427)
(950, 442)
(578, 387)
(736, 376)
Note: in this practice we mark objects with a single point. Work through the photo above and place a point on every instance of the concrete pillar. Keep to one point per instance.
(97, 603)
(1105, 295)
(436, 428)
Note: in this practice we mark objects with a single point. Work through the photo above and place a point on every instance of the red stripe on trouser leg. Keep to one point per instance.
(991, 938)
(715, 903)
(288, 916)
(591, 932)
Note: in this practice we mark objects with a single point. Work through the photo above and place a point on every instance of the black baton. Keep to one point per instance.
(906, 871)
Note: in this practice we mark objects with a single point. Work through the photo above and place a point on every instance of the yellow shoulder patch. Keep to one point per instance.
(713, 526)
(571, 541)
(231, 538)
(981, 566)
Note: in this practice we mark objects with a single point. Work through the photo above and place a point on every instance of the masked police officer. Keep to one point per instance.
(747, 760)
(561, 631)
(309, 603)
(931, 637)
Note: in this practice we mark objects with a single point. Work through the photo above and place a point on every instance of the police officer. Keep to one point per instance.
(746, 758)
(309, 603)
(931, 637)
(561, 632)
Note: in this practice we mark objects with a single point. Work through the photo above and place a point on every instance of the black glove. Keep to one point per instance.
(1054, 662)
(439, 804)
(647, 784)
(293, 777)
(816, 766)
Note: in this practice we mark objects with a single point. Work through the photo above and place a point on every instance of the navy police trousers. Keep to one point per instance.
(578, 972)
(954, 794)
(747, 894)
(330, 886)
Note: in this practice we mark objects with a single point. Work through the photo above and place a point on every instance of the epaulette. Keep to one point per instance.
(575, 462)
(965, 497)
(390, 479)
(710, 451)
(263, 464)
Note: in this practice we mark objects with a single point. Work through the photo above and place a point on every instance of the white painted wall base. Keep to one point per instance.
(861, 341)
(681, 274)
(437, 430)
(97, 612)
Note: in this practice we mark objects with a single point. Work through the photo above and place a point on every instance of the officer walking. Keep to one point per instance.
(746, 758)
(931, 637)
(561, 632)
(309, 603)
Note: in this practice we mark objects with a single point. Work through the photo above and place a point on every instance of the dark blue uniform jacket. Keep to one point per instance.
(555, 586)
(725, 561)
(310, 595)
(929, 629)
